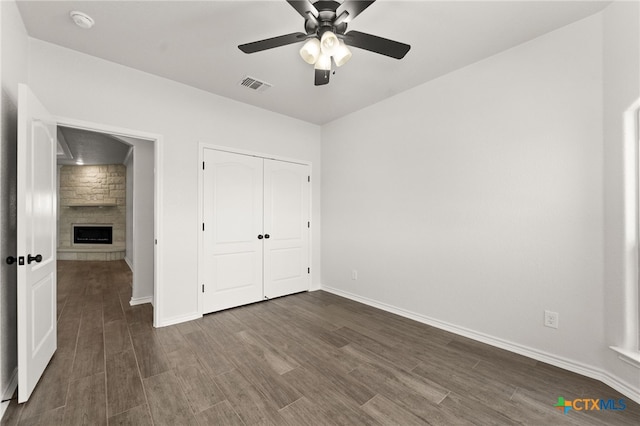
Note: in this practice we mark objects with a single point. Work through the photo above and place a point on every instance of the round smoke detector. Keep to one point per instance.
(82, 19)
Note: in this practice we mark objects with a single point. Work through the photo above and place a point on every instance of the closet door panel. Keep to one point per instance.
(286, 217)
(232, 252)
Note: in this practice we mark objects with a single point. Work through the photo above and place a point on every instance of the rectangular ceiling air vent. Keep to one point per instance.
(255, 84)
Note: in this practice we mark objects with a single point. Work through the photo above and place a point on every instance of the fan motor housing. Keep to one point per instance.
(325, 21)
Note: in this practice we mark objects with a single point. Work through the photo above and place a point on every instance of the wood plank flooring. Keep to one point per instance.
(306, 359)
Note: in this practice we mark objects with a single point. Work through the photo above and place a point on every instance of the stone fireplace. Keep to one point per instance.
(92, 217)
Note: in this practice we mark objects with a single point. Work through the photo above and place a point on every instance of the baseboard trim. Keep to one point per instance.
(177, 320)
(8, 392)
(315, 287)
(129, 263)
(140, 300)
(626, 389)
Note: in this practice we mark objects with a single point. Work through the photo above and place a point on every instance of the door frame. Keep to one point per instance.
(205, 145)
(157, 141)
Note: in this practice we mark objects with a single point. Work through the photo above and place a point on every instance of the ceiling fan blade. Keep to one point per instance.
(376, 44)
(303, 7)
(353, 9)
(270, 43)
(322, 77)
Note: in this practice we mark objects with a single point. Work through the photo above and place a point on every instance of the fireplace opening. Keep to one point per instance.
(92, 234)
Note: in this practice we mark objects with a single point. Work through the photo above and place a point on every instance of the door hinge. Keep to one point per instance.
(203, 226)
(308, 270)
(155, 242)
(203, 288)
(308, 224)
(203, 165)
(308, 178)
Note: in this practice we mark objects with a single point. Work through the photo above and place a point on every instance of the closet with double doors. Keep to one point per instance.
(255, 229)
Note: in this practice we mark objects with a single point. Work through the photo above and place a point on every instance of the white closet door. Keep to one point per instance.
(232, 252)
(286, 217)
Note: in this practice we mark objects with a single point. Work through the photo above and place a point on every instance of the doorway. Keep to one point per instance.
(133, 177)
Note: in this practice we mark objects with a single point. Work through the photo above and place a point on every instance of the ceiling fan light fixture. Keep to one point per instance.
(329, 43)
(325, 24)
(323, 62)
(342, 54)
(311, 51)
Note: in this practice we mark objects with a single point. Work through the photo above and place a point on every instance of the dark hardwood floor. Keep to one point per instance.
(306, 359)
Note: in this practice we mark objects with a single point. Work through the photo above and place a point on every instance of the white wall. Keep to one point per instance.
(621, 67)
(13, 70)
(143, 221)
(128, 255)
(475, 200)
(140, 218)
(127, 98)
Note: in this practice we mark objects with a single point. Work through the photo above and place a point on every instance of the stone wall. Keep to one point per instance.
(94, 195)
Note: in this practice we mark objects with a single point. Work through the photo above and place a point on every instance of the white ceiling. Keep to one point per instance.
(83, 147)
(195, 42)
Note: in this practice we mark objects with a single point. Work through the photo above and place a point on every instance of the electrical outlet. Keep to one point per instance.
(551, 319)
(354, 274)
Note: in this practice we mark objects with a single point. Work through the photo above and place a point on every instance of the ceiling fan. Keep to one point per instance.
(326, 37)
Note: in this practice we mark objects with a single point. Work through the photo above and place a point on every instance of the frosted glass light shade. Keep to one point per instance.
(323, 62)
(342, 54)
(310, 51)
(329, 43)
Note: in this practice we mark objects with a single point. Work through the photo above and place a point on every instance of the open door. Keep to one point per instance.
(36, 241)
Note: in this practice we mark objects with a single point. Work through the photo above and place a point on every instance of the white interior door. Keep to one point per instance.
(286, 223)
(232, 224)
(36, 243)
